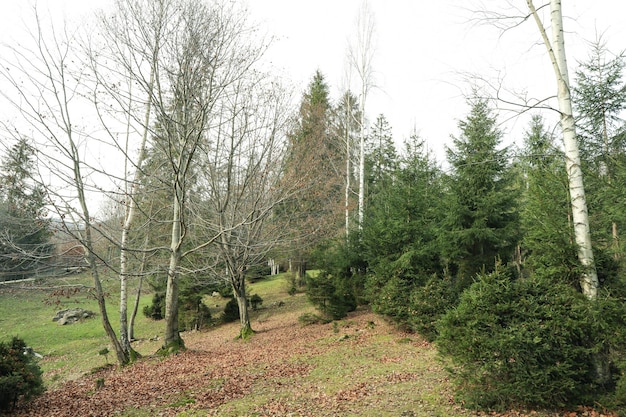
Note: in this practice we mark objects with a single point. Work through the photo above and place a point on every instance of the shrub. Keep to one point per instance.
(330, 295)
(20, 375)
(193, 314)
(255, 301)
(389, 295)
(231, 311)
(156, 310)
(522, 343)
(429, 303)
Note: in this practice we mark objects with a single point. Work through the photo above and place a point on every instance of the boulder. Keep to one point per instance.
(72, 315)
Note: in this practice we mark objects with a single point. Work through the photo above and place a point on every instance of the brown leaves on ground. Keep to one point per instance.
(272, 368)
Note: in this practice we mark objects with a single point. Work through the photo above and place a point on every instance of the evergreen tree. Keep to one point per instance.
(548, 243)
(482, 222)
(24, 229)
(399, 238)
(599, 99)
(316, 162)
(381, 158)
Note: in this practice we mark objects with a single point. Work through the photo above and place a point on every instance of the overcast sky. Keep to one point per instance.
(424, 51)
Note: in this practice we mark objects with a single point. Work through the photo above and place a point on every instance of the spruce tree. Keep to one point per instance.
(399, 238)
(482, 222)
(599, 100)
(316, 162)
(548, 244)
(381, 157)
(25, 230)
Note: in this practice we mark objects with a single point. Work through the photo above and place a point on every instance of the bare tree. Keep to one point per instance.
(361, 56)
(243, 183)
(123, 60)
(208, 50)
(47, 88)
(556, 51)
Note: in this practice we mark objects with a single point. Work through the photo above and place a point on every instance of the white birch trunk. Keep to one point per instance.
(348, 174)
(556, 50)
(362, 160)
(131, 205)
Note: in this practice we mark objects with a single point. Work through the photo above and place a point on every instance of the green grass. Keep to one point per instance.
(71, 350)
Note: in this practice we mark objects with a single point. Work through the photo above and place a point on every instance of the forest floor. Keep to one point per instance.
(359, 366)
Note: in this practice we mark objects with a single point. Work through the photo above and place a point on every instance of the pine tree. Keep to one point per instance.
(599, 99)
(316, 162)
(381, 157)
(548, 243)
(482, 222)
(25, 231)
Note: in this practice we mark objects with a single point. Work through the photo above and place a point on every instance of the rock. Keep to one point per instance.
(72, 315)
(215, 294)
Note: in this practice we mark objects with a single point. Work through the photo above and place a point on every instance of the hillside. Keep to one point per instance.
(360, 366)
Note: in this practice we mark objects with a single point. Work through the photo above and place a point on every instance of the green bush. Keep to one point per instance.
(389, 295)
(193, 314)
(522, 343)
(255, 301)
(20, 375)
(330, 295)
(156, 310)
(429, 303)
(231, 311)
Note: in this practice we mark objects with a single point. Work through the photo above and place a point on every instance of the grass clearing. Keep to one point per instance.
(360, 366)
(69, 351)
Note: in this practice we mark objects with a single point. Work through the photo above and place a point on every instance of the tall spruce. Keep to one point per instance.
(400, 232)
(599, 100)
(381, 158)
(316, 161)
(548, 245)
(24, 229)
(482, 222)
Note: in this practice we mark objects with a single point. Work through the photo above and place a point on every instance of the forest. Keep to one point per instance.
(209, 174)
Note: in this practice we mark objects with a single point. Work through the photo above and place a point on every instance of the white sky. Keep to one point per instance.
(424, 51)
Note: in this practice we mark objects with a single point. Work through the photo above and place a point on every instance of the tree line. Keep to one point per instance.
(165, 110)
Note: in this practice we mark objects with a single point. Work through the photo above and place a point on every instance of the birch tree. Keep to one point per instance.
(123, 60)
(346, 123)
(361, 57)
(46, 85)
(556, 51)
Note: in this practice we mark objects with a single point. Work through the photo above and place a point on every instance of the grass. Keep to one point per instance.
(69, 351)
(359, 366)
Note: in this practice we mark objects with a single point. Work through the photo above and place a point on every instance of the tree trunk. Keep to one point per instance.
(242, 302)
(123, 357)
(173, 342)
(133, 315)
(348, 175)
(580, 216)
(131, 204)
(362, 160)
(87, 242)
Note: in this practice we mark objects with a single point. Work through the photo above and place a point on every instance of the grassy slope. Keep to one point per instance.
(69, 351)
(360, 366)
